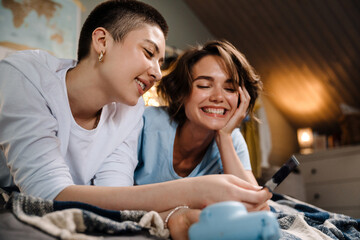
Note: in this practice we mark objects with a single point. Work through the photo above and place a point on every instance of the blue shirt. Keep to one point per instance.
(156, 144)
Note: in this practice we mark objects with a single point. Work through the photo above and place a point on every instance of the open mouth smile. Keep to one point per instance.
(216, 111)
(141, 84)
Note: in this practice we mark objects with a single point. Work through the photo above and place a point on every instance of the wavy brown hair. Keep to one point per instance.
(176, 85)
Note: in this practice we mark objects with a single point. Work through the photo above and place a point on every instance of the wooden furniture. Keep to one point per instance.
(332, 179)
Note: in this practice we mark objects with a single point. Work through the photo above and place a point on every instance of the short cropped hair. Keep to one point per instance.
(118, 17)
(176, 86)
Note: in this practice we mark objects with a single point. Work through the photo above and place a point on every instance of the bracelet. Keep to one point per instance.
(171, 213)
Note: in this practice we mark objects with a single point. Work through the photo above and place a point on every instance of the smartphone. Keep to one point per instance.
(282, 173)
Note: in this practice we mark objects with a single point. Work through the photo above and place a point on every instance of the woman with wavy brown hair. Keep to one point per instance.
(209, 91)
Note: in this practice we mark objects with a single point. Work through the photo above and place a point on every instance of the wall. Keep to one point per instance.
(184, 27)
(283, 135)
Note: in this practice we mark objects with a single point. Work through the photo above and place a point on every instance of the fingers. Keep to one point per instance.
(242, 109)
(228, 188)
(240, 112)
(260, 206)
(265, 208)
(244, 99)
(255, 208)
(242, 183)
(256, 197)
(181, 221)
(192, 215)
(250, 193)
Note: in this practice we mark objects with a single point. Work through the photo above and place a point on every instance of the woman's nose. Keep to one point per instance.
(216, 95)
(155, 72)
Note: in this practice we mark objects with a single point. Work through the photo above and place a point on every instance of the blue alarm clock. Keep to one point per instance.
(230, 220)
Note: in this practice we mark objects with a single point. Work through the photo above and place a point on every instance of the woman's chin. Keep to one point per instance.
(215, 127)
(130, 102)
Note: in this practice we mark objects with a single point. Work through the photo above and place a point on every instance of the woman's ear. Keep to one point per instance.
(99, 37)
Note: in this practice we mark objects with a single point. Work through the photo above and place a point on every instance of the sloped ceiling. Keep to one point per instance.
(306, 51)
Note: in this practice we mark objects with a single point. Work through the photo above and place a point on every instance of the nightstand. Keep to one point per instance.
(332, 179)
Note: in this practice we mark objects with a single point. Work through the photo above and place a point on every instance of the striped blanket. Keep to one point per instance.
(80, 221)
(301, 221)
(75, 220)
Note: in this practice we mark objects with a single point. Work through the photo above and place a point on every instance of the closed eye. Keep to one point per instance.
(149, 53)
(230, 89)
(200, 86)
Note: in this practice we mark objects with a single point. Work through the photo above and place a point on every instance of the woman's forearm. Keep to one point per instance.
(196, 192)
(159, 197)
(230, 159)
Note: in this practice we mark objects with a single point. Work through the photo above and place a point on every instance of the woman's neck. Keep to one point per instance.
(84, 96)
(190, 146)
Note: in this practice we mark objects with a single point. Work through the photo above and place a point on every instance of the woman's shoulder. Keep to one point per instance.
(151, 111)
(156, 117)
(36, 59)
(37, 66)
(237, 136)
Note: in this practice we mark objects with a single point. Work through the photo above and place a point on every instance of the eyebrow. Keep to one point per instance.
(154, 44)
(204, 77)
(156, 48)
(210, 78)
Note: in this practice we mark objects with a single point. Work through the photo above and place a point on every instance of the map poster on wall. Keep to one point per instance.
(51, 25)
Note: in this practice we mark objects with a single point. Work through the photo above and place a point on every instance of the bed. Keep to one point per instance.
(27, 217)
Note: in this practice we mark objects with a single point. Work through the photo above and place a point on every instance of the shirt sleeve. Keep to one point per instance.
(118, 169)
(241, 148)
(28, 137)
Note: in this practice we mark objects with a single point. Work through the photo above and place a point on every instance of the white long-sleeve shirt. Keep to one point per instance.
(42, 149)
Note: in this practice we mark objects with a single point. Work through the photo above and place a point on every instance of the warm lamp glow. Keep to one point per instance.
(151, 98)
(305, 137)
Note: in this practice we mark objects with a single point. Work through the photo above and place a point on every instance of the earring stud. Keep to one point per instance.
(101, 56)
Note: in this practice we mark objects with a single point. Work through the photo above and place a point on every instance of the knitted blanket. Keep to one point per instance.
(80, 221)
(301, 221)
(74, 220)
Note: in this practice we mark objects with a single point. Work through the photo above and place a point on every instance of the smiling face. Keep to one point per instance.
(131, 67)
(213, 99)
